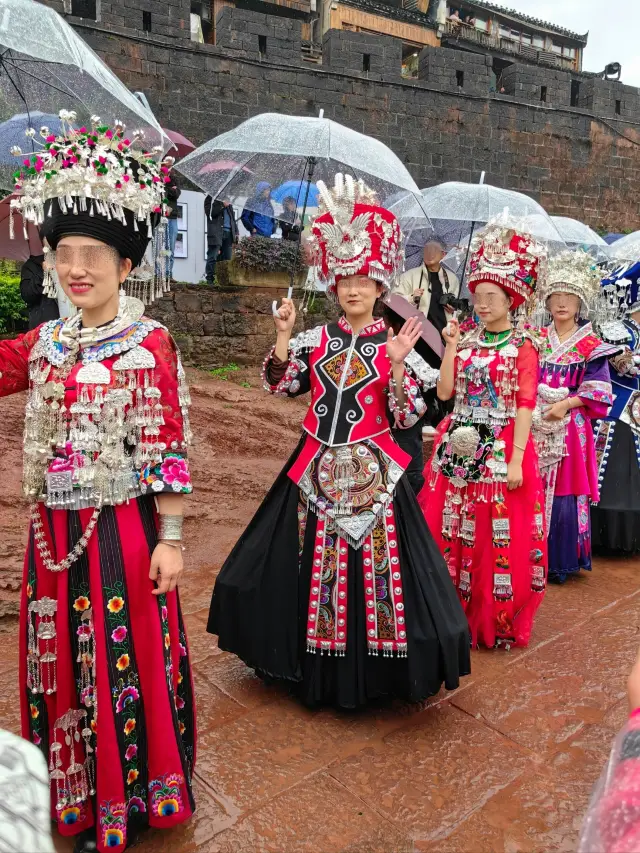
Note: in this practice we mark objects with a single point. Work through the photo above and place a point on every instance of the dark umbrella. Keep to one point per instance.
(181, 145)
(430, 345)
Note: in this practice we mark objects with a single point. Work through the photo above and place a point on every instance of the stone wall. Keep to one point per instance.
(350, 52)
(530, 84)
(581, 161)
(215, 326)
(241, 33)
(451, 70)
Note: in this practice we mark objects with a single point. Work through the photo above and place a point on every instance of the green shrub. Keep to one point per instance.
(266, 255)
(13, 311)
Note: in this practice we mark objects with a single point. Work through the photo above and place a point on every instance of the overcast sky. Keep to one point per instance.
(613, 29)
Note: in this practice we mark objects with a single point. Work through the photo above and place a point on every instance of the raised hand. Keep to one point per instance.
(451, 332)
(286, 317)
(399, 347)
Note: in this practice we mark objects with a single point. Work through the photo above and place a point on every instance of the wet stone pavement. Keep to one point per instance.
(505, 764)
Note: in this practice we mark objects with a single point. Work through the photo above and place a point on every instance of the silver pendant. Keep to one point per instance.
(94, 373)
(137, 358)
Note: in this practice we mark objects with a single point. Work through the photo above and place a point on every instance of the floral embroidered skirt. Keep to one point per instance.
(500, 577)
(105, 682)
(261, 602)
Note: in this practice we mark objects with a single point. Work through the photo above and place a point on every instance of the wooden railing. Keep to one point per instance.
(466, 32)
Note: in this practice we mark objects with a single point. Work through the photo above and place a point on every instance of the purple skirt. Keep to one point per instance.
(569, 547)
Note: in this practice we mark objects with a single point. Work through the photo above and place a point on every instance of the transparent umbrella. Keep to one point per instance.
(275, 149)
(45, 66)
(579, 236)
(270, 150)
(456, 210)
(627, 248)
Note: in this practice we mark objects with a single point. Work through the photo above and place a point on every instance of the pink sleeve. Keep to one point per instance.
(527, 364)
(612, 822)
(595, 391)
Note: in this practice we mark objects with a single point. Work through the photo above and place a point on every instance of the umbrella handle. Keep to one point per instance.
(274, 305)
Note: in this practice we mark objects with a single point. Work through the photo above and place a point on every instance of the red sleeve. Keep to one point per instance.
(527, 364)
(170, 473)
(14, 363)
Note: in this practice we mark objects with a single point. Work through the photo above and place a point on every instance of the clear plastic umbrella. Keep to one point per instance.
(45, 66)
(275, 148)
(477, 202)
(456, 210)
(627, 248)
(269, 150)
(579, 236)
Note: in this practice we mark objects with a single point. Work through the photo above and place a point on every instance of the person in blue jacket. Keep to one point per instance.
(258, 216)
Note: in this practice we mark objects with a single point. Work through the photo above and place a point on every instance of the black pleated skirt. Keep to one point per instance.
(615, 521)
(261, 599)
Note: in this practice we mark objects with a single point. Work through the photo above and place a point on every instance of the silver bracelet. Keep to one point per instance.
(177, 545)
(171, 528)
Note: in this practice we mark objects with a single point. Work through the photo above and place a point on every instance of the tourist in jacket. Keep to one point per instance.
(222, 233)
(258, 216)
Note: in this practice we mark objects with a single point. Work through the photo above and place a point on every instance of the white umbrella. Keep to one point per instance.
(278, 148)
(269, 150)
(456, 210)
(579, 236)
(627, 248)
(45, 66)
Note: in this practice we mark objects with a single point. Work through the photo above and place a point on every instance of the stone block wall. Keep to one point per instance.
(362, 53)
(535, 84)
(564, 156)
(454, 70)
(242, 33)
(606, 97)
(215, 326)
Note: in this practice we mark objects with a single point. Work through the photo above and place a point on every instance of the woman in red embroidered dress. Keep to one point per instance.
(105, 681)
(483, 498)
(337, 585)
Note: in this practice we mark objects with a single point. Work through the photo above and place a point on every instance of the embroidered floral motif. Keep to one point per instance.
(113, 824)
(136, 805)
(119, 634)
(72, 814)
(165, 796)
(126, 697)
(172, 474)
(164, 618)
(184, 687)
(126, 693)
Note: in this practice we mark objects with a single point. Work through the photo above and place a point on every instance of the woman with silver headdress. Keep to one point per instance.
(574, 389)
(336, 585)
(615, 519)
(105, 681)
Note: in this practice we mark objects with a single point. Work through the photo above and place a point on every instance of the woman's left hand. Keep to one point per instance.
(557, 411)
(166, 568)
(398, 348)
(514, 475)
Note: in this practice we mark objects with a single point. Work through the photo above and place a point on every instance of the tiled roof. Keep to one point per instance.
(379, 7)
(513, 13)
